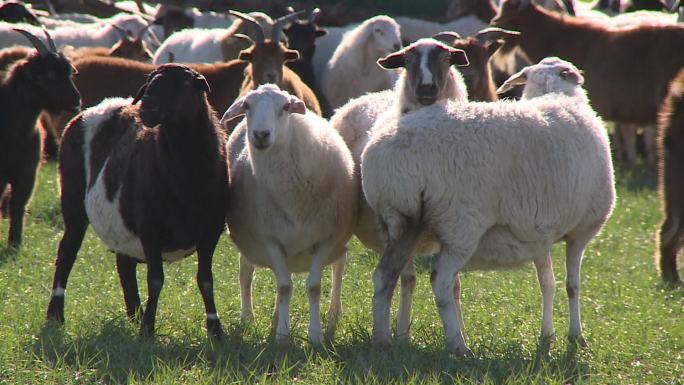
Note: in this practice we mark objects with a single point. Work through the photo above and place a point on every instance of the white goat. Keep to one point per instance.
(352, 70)
(467, 175)
(86, 35)
(293, 200)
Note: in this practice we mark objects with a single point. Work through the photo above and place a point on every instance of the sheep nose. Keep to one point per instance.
(426, 93)
(261, 139)
(271, 78)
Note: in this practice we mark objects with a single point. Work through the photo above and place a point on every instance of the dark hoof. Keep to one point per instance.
(55, 310)
(578, 341)
(214, 330)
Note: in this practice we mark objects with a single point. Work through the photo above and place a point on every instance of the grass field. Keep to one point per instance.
(634, 326)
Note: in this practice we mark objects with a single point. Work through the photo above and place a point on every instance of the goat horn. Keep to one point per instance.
(446, 37)
(40, 46)
(259, 30)
(314, 14)
(280, 24)
(123, 33)
(240, 36)
(488, 34)
(51, 43)
(141, 33)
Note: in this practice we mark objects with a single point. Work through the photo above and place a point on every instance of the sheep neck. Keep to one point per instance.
(20, 105)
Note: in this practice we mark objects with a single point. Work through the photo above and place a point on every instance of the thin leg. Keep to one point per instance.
(284, 284)
(126, 267)
(313, 291)
(629, 136)
(205, 281)
(574, 253)
(547, 283)
(670, 236)
(4, 199)
(457, 302)
(21, 194)
(397, 253)
(246, 276)
(650, 145)
(155, 282)
(443, 282)
(406, 289)
(335, 309)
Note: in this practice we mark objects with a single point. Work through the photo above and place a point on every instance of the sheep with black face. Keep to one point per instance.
(135, 175)
(40, 82)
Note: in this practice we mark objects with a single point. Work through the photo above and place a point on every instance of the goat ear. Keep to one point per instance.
(320, 32)
(291, 55)
(140, 93)
(458, 57)
(493, 47)
(296, 106)
(201, 84)
(572, 76)
(392, 61)
(515, 79)
(236, 109)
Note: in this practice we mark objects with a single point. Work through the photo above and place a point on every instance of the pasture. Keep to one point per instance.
(634, 325)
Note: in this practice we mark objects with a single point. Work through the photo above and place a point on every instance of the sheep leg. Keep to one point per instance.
(406, 289)
(21, 193)
(547, 283)
(397, 253)
(205, 280)
(650, 145)
(126, 268)
(155, 282)
(574, 252)
(457, 302)
(671, 234)
(335, 309)
(246, 276)
(313, 291)
(628, 132)
(75, 224)
(281, 315)
(4, 199)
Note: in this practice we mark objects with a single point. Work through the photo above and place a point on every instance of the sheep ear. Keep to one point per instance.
(236, 109)
(572, 76)
(296, 106)
(291, 55)
(392, 61)
(458, 57)
(516, 79)
(140, 93)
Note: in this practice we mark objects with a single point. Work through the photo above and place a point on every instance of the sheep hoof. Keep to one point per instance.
(577, 341)
(460, 351)
(55, 312)
(316, 339)
(545, 344)
(215, 330)
(381, 342)
(247, 318)
(146, 331)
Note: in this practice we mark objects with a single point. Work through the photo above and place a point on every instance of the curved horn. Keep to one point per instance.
(51, 43)
(123, 33)
(447, 37)
(314, 14)
(141, 33)
(240, 36)
(280, 24)
(40, 46)
(488, 34)
(260, 31)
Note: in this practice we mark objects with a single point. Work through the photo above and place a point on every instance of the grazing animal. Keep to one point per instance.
(134, 174)
(670, 182)
(292, 200)
(464, 176)
(41, 82)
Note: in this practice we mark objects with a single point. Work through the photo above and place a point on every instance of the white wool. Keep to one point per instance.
(413, 29)
(352, 70)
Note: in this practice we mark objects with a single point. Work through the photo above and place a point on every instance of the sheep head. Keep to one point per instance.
(172, 93)
(266, 56)
(267, 111)
(551, 74)
(427, 64)
(383, 34)
(48, 73)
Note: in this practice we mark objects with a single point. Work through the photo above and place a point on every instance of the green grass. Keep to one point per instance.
(634, 325)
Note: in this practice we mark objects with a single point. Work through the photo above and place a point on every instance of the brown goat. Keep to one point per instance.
(670, 150)
(626, 70)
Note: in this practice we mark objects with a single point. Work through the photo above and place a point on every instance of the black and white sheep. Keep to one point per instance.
(40, 82)
(152, 181)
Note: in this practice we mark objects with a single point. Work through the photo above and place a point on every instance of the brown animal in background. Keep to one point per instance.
(670, 152)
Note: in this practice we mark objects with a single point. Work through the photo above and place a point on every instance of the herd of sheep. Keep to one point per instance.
(298, 137)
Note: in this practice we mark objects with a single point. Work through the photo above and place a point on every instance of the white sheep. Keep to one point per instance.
(495, 184)
(86, 35)
(292, 200)
(352, 71)
(196, 45)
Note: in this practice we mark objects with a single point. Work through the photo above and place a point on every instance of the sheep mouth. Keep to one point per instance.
(259, 145)
(427, 100)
